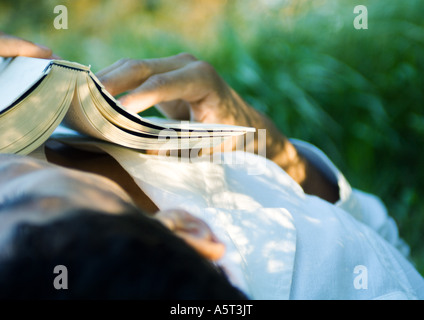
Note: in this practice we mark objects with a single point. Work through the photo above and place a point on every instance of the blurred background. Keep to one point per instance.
(356, 94)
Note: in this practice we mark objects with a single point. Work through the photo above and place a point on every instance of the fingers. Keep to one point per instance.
(121, 76)
(208, 249)
(111, 68)
(193, 231)
(127, 74)
(191, 83)
(180, 86)
(175, 109)
(11, 46)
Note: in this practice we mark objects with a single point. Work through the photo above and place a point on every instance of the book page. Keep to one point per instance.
(17, 76)
(191, 125)
(118, 115)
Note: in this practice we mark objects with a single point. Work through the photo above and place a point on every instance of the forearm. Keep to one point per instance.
(278, 148)
(183, 86)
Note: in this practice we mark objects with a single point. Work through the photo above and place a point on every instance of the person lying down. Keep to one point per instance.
(284, 226)
(222, 240)
(51, 216)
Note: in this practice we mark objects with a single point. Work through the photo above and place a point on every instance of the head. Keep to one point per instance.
(51, 216)
(126, 256)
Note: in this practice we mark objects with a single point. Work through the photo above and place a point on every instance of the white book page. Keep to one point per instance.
(17, 76)
(190, 125)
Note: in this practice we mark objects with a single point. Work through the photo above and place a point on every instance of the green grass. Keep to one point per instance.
(356, 94)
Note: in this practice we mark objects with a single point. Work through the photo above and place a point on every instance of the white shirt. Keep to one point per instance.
(280, 242)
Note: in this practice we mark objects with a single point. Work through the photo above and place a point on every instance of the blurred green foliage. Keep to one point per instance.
(356, 94)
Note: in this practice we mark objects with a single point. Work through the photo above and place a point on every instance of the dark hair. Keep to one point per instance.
(127, 256)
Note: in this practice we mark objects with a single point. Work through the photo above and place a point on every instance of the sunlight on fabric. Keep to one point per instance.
(267, 264)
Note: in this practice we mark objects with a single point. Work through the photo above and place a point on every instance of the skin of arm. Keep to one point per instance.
(184, 88)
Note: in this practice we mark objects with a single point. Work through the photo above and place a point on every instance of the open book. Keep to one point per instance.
(37, 95)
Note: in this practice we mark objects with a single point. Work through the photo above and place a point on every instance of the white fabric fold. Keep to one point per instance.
(365, 207)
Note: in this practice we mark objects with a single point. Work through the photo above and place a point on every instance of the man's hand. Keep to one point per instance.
(194, 231)
(180, 86)
(185, 88)
(11, 46)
